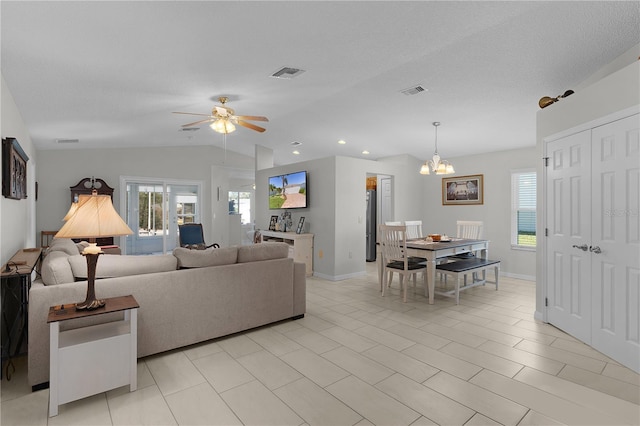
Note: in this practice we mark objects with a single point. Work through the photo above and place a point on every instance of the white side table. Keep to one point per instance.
(90, 360)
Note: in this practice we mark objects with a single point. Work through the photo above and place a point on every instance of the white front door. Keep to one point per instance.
(569, 234)
(615, 246)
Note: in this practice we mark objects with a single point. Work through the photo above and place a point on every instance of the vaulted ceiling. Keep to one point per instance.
(110, 74)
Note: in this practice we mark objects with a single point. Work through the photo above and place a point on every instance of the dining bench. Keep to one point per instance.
(459, 269)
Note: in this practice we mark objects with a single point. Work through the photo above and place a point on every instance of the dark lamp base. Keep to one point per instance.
(90, 302)
(89, 305)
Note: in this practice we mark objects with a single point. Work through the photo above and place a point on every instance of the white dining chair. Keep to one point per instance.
(414, 228)
(467, 229)
(393, 241)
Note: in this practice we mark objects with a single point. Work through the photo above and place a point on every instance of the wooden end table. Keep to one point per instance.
(89, 360)
(15, 304)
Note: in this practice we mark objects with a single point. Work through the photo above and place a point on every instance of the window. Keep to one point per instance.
(240, 203)
(523, 209)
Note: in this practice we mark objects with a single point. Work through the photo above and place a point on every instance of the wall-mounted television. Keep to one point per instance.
(288, 191)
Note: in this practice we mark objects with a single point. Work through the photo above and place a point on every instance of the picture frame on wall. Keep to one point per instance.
(463, 190)
(300, 225)
(272, 223)
(14, 169)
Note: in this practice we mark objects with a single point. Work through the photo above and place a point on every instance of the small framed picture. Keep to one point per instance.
(461, 190)
(300, 225)
(272, 223)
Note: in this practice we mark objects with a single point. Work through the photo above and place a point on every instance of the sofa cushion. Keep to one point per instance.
(112, 265)
(55, 269)
(65, 245)
(263, 251)
(210, 257)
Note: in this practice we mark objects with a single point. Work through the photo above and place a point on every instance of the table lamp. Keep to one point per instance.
(94, 217)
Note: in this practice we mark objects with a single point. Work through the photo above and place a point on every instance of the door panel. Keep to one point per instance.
(569, 224)
(616, 221)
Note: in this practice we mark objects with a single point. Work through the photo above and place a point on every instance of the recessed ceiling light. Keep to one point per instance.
(296, 152)
(365, 152)
(342, 142)
(296, 143)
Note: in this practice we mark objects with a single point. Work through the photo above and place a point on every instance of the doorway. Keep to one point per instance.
(154, 208)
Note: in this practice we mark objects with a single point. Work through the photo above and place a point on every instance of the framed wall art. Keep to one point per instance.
(462, 190)
(272, 223)
(14, 169)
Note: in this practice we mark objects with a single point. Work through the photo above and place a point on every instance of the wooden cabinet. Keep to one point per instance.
(300, 246)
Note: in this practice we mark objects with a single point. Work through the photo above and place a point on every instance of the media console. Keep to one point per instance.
(300, 246)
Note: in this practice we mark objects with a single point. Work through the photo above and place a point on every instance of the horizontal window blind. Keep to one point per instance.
(523, 214)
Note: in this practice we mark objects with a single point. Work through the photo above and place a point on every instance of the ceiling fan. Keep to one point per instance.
(223, 119)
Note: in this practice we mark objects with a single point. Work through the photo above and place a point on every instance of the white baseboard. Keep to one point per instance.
(518, 276)
(339, 277)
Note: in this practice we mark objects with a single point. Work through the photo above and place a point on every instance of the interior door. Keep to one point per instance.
(615, 250)
(386, 200)
(569, 234)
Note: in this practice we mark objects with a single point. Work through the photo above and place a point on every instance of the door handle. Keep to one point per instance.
(583, 247)
(595, 249)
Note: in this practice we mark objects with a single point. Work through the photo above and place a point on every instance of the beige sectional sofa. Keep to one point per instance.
(186, 297)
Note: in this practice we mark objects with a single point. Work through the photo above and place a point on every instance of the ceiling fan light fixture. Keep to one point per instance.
(223, 126)
(436, 164)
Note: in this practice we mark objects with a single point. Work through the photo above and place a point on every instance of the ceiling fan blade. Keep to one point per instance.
(252, 118)
(191, 113)
(198, 122)
(251, 126)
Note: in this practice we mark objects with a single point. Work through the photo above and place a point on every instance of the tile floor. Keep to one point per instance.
(360, 359)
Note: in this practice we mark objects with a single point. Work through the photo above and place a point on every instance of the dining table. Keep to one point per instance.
(433, 251)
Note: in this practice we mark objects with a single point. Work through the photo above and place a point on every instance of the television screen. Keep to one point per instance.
(288, 191)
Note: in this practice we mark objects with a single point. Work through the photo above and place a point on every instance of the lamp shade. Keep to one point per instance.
(94, 217)
(71, 212)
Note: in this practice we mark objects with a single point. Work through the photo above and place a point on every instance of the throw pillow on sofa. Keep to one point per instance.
(201, 258)
(55, 269)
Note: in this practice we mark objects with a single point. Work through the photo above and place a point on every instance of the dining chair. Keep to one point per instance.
(393, 241)
(467, 229)
(414, 228)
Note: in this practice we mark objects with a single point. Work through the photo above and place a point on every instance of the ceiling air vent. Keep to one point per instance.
(414, 90)
(189, 129)
(67, 140)
(287, 73)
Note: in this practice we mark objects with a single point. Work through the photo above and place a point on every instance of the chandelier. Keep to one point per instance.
(436, 164)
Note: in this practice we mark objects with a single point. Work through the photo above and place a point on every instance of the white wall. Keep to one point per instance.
(17, 217)
(60, 169)
(618, 91)
(496, 169)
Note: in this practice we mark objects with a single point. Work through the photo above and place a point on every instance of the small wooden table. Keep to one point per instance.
(89, 360)
(15, 302)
